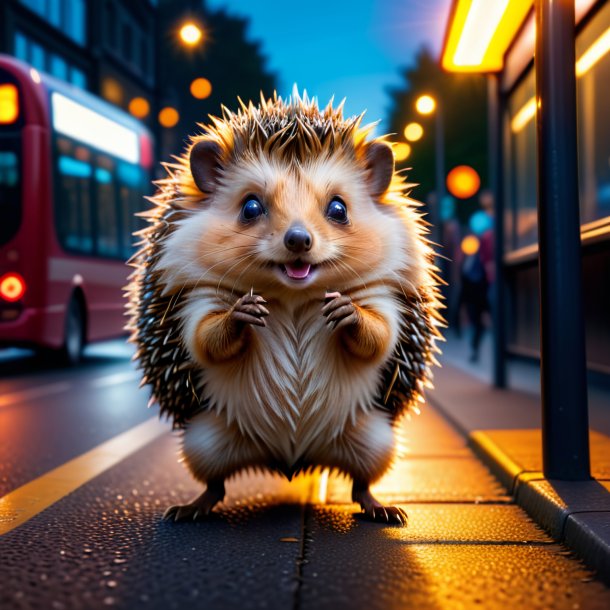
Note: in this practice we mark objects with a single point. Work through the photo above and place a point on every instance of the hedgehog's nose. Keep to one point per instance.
(297, 239)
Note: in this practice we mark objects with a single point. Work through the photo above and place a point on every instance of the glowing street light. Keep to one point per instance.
(425, 104)
(413, 132)
(139, 107)
(169, 117)
(401, 151)
(190, 34)
(201, 88)
(463, 181)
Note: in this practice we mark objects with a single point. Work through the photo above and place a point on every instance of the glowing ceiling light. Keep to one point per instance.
(475, 39)
(89, 127)
(593, 54)
(525, 114)
(480, 32)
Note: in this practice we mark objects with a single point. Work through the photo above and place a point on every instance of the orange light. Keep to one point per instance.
(425, 104)
(201, 88)
(168, 117)
(112, 91)
(470, 245)
(12, 287)
(413, 132)
(139, 107)
(9, 103)
(463, 182)
(190, 34)
(480, 32)
(401, 151)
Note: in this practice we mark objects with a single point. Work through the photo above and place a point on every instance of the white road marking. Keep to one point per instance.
(117, 378)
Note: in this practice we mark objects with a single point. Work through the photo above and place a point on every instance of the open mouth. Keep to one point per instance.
(297, 270)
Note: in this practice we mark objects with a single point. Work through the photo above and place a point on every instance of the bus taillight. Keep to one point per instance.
(9, 103)
(12, 287)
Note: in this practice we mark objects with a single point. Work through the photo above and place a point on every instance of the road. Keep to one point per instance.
(88, 471)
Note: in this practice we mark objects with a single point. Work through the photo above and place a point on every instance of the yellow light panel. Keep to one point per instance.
(525, 114)
(480, 32)
(593, 54)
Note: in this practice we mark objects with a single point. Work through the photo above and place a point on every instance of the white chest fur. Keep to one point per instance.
(296, 388)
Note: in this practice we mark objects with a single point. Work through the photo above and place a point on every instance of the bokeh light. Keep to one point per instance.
(112, 91)
(201, 88)
(413, 132)
(470, 245)
(139, 107)
(463, 182)
(480, 222)
(190, 34)
(168, 117)
(401, 151)
(425, 104)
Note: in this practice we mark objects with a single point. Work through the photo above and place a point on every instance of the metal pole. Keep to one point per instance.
(565, 436)
(495, 114)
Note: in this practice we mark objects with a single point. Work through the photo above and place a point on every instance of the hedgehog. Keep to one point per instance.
(284, 300)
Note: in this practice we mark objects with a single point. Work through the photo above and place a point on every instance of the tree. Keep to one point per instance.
(234, 65)
(463, 99)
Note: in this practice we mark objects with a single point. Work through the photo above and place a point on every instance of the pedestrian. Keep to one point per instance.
(474, 298)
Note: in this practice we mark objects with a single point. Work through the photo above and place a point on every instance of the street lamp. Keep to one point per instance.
(426, 104)
(413, 132)
(190, 34)
(401, 151)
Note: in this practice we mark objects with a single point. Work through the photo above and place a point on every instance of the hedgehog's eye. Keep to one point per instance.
(251, 209)
(337, 211)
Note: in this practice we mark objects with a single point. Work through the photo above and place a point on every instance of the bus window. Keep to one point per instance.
(10, 187)
(132, 180)
(73, 205)
(108, 237)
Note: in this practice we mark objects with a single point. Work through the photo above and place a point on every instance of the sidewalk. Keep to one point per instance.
(503, 428)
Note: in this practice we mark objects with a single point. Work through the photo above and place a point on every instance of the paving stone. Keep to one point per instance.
(524, 449)
(461, 479)
(428, 434)
(355, 564)
(447, 523)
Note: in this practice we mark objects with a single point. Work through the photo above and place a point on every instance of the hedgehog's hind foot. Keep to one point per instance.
(200, 507)
(373, 509)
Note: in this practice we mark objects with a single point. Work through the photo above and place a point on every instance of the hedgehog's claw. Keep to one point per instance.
(200, 508)
(374, 510)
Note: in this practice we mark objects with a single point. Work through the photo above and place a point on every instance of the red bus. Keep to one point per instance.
(73, 172)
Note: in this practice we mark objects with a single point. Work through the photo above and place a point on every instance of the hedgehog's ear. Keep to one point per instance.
(204, 160)
(380, 166)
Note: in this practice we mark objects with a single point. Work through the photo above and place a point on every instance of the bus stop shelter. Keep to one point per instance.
(478, 36)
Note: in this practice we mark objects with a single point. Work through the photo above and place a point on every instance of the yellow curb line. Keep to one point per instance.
(27, 501)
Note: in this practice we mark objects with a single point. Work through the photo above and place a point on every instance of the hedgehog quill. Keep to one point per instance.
(284, 301)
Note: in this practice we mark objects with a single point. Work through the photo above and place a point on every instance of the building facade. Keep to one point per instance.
(517, 84)
(104, 46)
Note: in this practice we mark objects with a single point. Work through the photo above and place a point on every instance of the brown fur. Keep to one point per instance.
(284, 389)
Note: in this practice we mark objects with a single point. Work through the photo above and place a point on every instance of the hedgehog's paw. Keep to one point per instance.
(339, 310)
(200, 508)
(375, 511)
(250, 309)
